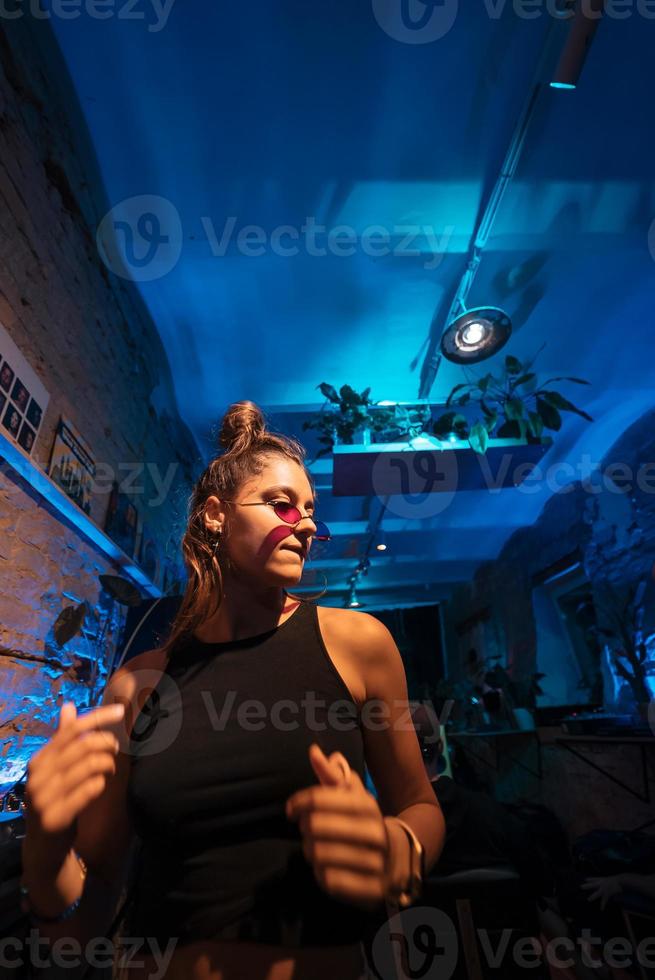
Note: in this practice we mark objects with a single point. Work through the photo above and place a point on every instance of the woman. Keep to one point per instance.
(262, 853)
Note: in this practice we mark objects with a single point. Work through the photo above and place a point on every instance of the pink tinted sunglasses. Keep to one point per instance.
(290, 515)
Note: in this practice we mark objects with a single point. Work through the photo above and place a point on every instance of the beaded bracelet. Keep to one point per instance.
(28, 908)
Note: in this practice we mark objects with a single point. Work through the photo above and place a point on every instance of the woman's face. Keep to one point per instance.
(260, 546)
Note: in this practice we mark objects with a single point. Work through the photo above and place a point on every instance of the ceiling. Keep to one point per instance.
(287, 114)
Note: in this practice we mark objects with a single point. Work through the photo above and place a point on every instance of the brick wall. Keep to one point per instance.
(92, 343)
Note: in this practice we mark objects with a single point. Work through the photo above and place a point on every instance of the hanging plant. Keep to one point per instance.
(513, 405)
(346, 412)
(69, 622)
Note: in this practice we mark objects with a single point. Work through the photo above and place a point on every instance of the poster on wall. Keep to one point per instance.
(71, 465)
(122, 522)
(23, 398)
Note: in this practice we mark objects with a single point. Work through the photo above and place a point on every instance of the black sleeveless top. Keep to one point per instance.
(217, 749)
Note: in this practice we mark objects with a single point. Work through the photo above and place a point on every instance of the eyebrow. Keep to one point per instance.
(290, 493)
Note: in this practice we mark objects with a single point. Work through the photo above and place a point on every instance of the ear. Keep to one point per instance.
(214, 516)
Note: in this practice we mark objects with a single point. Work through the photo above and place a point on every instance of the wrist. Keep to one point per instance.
(405, 863)
(52, 895)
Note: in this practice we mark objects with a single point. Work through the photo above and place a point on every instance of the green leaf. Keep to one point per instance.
(524, 379)
(514, 409)
(483, 383)
(364, 396)
(513, 365)
(485, 408)
(329, 392)
(463, 399)
(549, 415)
(535, 424)
(479, 438)
(490, 422)
(348, 395)
(457, 388)
(563, 404)
(69, 622)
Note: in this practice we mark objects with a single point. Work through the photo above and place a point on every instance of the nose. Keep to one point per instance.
(307, 517)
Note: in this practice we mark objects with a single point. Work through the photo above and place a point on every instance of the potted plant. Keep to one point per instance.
(512, 404)
(346, 412)
(622, 629)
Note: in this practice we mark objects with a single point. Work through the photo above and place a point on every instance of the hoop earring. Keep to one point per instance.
(310, 598)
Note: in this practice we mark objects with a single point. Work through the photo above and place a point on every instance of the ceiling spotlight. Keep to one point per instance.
(381, 541)
(476, 335)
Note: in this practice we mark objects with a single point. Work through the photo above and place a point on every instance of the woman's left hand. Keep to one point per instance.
(344, 835)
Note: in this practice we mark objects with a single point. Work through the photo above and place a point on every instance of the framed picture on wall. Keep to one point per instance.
(122, 519)
(71, 465)
(23, 398)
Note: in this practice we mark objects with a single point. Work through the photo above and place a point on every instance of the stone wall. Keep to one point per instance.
(90, 340)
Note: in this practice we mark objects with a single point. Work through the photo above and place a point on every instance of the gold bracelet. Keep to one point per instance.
(410, 891)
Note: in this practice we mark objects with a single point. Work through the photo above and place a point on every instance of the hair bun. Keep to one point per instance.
(243, 424)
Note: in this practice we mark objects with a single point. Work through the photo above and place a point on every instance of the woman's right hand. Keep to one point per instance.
(64, 776)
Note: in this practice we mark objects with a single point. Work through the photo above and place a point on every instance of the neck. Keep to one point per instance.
(245, 611)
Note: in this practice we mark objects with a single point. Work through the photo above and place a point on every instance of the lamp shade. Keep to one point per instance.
(476, 335)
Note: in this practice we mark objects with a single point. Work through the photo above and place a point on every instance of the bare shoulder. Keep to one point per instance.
(361, 633)
(135, 680)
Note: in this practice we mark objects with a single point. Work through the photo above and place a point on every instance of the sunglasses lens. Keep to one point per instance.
(322, 531)
(291, 515)
(287, 513)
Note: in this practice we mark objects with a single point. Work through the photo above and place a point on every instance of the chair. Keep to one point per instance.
(484, 903)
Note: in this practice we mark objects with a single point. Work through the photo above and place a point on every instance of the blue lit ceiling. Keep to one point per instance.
(273, 113)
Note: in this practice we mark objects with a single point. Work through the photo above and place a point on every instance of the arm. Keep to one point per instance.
(100, 830)
(393, 755)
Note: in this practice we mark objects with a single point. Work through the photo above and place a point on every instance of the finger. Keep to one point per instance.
(105, 716)
(63, 812)
(355, 857)
(70, 754)
(64, 781)
(333, 798)
(328, 772)
(352, 887)
(67, 715)
(327, 826)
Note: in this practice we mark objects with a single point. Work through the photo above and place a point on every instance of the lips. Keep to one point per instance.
(296, 551)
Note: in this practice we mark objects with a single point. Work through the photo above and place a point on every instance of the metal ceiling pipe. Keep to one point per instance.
(582, 31)
(482, 232)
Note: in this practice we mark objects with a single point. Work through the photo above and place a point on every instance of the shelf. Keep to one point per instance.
(47, 492)
(422, 467)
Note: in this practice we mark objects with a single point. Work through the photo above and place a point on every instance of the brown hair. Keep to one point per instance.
(246, 442)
